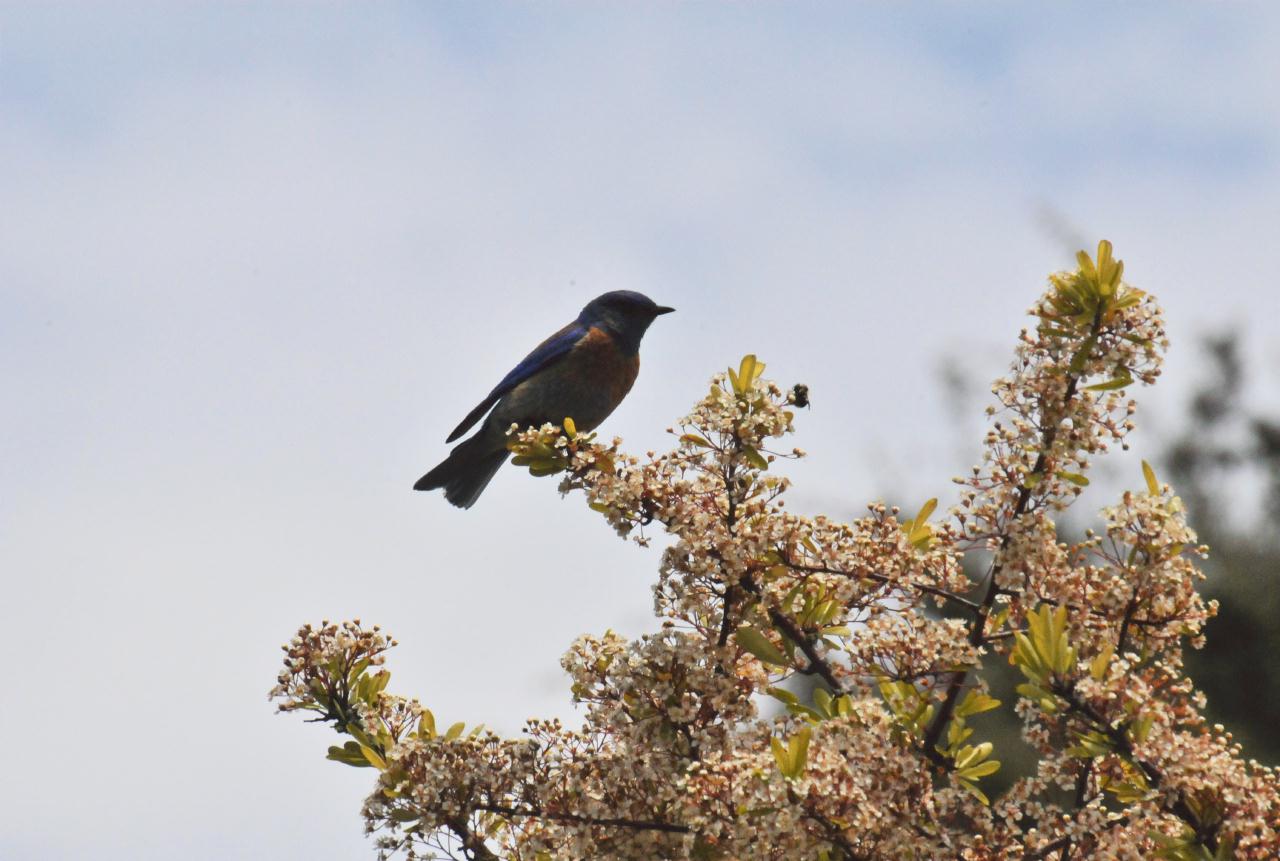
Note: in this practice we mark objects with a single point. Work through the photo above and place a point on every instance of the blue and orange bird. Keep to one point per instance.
(581, 372)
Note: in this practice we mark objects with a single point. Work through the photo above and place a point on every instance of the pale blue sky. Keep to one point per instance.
(256, 262)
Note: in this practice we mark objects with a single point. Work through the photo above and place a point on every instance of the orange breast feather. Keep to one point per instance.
(609, 369)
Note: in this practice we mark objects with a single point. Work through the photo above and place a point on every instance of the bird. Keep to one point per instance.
(581, 372)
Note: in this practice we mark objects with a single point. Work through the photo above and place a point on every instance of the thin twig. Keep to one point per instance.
(605, 822)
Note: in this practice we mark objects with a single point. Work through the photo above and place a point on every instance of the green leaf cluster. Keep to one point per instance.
(918, 529)
(752, 641)
(816, 611)
(427, 728)
(337, 690)
(744, 379)
(913, 710)
(970, 762)
(1094, 291)
(791, 755)
(814, 614)
(542, 456)
(824, 706)
(369, 744)
(1043, 654)
(1132, 788)
(366, 748)
(911, 707)
(1084, 301)
(1187, 847)
(1091, 743)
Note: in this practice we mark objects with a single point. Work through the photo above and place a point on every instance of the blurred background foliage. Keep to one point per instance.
(1227, 452)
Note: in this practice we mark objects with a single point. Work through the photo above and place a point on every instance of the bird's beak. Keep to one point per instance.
(662, 309)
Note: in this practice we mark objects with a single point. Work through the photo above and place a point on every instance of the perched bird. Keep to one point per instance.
(581, 372)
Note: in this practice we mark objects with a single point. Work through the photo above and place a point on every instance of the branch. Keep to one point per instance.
(879, 578)
(793, 632)
(1129, 610)
(472, 843)
(606, 822)
(1082, 790)
(1049, 434)
(726, 618)
(1065, 842)
(817, 663)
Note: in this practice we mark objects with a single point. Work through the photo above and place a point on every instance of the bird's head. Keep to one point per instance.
(624, 313)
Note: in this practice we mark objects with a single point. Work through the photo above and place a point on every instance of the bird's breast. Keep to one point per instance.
(586, 385)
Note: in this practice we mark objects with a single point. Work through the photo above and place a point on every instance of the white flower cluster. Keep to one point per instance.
(677, 757)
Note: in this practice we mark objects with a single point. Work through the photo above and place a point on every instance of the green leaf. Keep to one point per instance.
(360, 666)
(746, 375)
(756, 643)
(798, 751)
(976, 702)
(1101, 661)
(375, 758)
(754, 458)
(1075, 478)
(454, 731)
(694, 439)
(783, 696)
(919, 531)
(792, 755)
(349, 754)
(807, 712)
(957, 734)
(1032, 692)
(1119, 382)
(1086, 265)
(1153, 486)
(1142, 727)
(1082, 355)
(972, 755)
(780, 755)
(975, 791)
(982, 769)
(999, 618)
(359, 735)
(1090, 745)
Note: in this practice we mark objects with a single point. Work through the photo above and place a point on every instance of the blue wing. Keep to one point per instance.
(548, 352)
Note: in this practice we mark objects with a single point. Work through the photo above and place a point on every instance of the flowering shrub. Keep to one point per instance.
(676, 757)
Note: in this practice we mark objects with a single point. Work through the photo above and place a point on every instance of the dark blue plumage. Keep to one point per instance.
(581, 372)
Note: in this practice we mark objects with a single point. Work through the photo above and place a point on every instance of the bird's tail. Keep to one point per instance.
(466, 472)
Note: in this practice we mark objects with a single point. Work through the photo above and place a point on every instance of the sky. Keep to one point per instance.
(257, 260)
